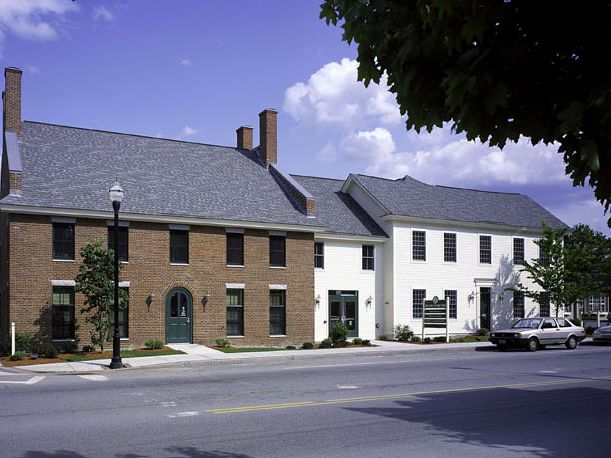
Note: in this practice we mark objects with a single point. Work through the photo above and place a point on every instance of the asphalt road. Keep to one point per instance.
(553, 403)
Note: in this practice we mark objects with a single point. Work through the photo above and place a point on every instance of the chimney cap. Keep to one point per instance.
(244, 127)
(12, 69)
(273, 110)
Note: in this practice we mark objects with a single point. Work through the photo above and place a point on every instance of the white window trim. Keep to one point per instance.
(277, 287)
(411, 245)
(234, 230)
(513, 253)
(278, 233)
(62, 219)
(443, 241)
(479, 248)
(63, 283)
(178, 227)
(235, 286)
(124, 284)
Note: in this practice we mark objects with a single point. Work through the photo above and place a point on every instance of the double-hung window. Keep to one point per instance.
(418, 296)
(63, 241)
(485, 249)
(123, 242)
(179, 246)
(235, 249)
(277, 251)
(543, 255)
(235, 312)
(419, 246)
(319, 255)
(518, 250)
(63, 313)
(449, 247)
(277, 312)
(451, 296)
(368, 257)
(544, 305)
(518, 304)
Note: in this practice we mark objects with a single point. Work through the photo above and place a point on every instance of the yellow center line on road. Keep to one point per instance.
(292, 405)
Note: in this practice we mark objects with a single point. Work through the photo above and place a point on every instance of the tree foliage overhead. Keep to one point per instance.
(495, 70)
(95, 281)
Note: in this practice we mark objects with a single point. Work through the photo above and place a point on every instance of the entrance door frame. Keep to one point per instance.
(343, 296)
(483, 283)
(168, 297)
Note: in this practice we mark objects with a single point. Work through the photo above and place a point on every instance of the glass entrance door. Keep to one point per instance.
(343, 308)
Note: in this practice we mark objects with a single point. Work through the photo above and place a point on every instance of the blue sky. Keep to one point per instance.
(197, 70)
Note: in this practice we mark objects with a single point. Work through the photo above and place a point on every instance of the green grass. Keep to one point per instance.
(247, 349)
(124, 354)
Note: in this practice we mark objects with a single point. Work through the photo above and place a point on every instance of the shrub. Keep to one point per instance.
(307, 345)
(403, 332)
(439, 339)
(18, 356)
(326, 343)
(383, 337)
(366, 342)
(457, 339)
(340, 344)
(89, 348)
(357, 341)
(427, 340)
(482, 332)
(575, 321)
(153, 344)
(23, 342)
(44, 348)
(222, 342)
(415, 339)
(338, 334)
(291, 347)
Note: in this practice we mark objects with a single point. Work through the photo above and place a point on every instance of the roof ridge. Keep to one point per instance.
(313, 176)
(479, 190)
(132, 135)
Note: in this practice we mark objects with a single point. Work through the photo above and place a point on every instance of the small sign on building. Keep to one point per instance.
(435, 315)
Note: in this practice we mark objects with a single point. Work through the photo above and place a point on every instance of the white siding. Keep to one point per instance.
(343, 271)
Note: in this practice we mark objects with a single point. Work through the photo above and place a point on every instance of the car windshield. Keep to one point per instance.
(528, 323)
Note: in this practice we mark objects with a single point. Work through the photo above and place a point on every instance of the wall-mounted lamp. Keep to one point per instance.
(317, 300)
(368, 302)
(150, 299)
(205, 300)
(471, 296)
(502, 296)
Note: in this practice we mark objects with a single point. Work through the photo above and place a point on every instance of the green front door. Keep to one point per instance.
(178, 311)
(484, 308)
(344, 308)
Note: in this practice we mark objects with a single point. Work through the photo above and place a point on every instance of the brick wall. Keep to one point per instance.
(149, 272)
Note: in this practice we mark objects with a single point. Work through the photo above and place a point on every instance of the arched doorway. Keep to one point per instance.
(178, 316)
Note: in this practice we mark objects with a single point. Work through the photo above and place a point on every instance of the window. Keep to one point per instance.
(548, 323)
(543, 256)
(419, 246)
(544, 308)
(449, 247)
(418, 296)
(451, 296)
(277, 251)
(485, 249)
(123, 317)
(277, 312)
(235, 249)
(518, 304)
(235, 312)
(319, 255)
(63, 241)
(518, 251)
(563, 323)
(179, 246)
(63, 312)
(368, 261)
(123, 241)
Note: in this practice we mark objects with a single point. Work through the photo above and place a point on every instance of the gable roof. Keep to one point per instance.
(410, 197)
(73, 168)
(338, 211)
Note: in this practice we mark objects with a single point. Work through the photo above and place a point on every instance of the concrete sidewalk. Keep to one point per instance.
(198, 353)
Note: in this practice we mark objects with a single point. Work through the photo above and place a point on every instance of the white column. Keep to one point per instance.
(12, 338)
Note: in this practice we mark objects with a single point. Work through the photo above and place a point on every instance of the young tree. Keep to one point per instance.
(95, 281)
(496, 70)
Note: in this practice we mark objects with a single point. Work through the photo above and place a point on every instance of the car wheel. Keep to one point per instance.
(571, 343)
(533, 344)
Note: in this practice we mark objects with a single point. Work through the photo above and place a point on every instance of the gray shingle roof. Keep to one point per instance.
(68, 167)
(336, 210)
(409, 197)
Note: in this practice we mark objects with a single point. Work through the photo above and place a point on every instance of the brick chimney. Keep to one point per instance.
(268, 136)
(11, 98)
(244, 137)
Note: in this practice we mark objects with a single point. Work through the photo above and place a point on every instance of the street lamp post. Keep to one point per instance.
(116, 196)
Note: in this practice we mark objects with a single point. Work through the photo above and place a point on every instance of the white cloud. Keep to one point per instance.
(328, 154)
(452, 160)
(32, 19)
(585, 211)
(186, 62)
(32, 69)
(101, 13)
(333, 95)
(188, 131)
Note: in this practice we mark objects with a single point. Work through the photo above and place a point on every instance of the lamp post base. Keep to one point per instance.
(116, 363)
